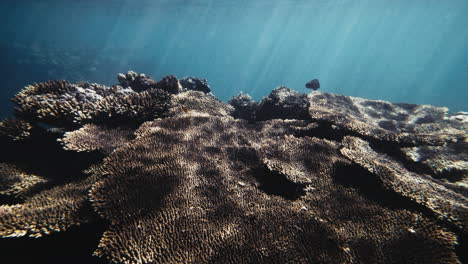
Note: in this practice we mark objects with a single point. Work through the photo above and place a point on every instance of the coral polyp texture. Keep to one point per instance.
(173, 175)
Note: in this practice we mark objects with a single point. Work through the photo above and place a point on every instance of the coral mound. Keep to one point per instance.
(174, 175)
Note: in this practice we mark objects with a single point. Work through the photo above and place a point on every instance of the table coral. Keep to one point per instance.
(177, 176)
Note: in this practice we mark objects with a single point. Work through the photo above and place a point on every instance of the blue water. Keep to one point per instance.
(397, 50)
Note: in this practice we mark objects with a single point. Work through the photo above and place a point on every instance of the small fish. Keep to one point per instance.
(314, 84)
(186, 110)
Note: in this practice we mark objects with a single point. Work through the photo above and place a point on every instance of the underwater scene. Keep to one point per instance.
(234, 131)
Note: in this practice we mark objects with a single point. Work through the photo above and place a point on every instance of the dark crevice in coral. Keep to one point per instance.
(10, 200)
(245, 155)
(460, 248)
(274, 183)
(116, 121)
(74, 246)
(452, 175)
(44, 156)
(122, 126)
(333, 132)
(394, 152)
(271, 182)
(327, 130)
(372, 187)
(324, 131)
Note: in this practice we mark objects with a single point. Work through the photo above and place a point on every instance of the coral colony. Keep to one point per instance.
(176, 176)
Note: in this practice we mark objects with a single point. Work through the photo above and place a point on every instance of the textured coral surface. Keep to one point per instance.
(162, 172)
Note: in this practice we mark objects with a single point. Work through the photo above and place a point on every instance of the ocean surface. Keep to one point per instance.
(396, 50)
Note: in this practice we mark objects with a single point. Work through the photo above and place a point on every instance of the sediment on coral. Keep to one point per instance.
(170, 174)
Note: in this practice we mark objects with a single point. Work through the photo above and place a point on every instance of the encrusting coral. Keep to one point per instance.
(178, 176)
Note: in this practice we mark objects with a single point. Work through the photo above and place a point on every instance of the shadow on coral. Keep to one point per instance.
(44, 156)
(74, 246)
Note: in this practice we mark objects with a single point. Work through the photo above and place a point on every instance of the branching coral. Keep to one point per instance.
(60, 103)
(15, 130)
(195, 84)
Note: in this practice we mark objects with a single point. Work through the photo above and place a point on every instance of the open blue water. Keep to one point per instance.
(413, 51)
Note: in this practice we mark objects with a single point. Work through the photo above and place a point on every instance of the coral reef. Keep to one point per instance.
(195, 84)
(174, 175)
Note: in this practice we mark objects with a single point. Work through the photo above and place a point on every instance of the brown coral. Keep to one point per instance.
(323, 179)
(198, 102)
(61, 103)
(52, 210)
(384, 121)
(422, 189)
(133, 108)
(232, 205)
(51, 101)
(447, 161)
(92, 137)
